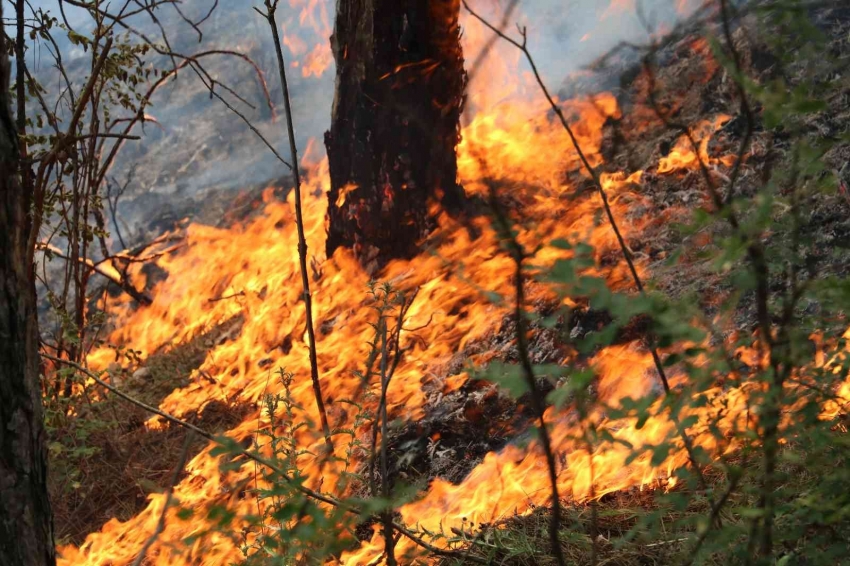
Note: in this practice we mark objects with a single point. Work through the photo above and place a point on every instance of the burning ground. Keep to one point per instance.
(227, 312)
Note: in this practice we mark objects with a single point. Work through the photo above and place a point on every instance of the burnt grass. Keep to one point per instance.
(691, 87)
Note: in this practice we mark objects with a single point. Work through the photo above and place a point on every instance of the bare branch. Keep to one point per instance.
(299, 221)
(126, 286)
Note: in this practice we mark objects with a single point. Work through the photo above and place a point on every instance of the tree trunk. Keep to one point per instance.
(26, 525)
(395, 123)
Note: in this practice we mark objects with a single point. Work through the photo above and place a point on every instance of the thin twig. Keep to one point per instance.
(225, 297)
(140, 296)
(299, 221)
(594, 504)
(60, 145)
(209, 83)
(714, 516)
(745, 108)
(387, 514)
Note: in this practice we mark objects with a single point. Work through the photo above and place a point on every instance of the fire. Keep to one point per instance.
(256, 265)
(295, 44)
(317, 61)
(313, 25)
(682, 156)
(313, 14)
(618, 7)
(517, 479)
(686, 7)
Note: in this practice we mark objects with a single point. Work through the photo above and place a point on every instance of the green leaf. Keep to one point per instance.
(750, 512)
(660, 454)
(560, 396)
(508, 377)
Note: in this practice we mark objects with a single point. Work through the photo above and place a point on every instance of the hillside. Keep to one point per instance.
(694, 383)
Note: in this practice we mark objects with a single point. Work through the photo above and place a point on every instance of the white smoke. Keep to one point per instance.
(200, 144)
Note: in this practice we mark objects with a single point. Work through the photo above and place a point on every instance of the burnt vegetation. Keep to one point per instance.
(603, 322)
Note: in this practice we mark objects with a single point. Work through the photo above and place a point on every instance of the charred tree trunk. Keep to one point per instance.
(26, 526)
(395, 124)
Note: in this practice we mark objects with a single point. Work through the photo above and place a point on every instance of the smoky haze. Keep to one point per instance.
(198, 144)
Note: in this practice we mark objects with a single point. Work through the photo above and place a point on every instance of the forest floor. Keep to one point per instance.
(133, 461)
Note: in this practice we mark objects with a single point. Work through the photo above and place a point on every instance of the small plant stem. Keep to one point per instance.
(770, 441)
(538, 401)
(539, 408)
(389, 538)
(714, 516)
(594, 504)
(386, 346)
(271, 7)
(745, 108)
(780, 369)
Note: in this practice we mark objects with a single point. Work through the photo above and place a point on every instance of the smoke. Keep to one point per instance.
(199, 144)
(565, 36)
(569, 35)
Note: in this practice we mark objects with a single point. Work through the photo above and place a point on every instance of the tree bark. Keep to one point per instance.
(395, 124)
(26, 524)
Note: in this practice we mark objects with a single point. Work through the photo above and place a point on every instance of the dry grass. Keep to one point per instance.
(105, 462)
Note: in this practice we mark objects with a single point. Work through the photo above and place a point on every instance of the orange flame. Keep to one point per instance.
(313, 25)
(682, 156)
(618, 7)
